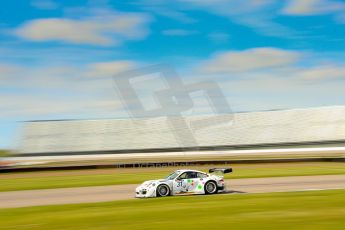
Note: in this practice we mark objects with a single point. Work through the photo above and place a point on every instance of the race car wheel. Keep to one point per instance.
(210, 187)
(163, 190)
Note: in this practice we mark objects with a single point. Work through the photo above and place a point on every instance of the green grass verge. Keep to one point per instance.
(4, 153)
(297, 210)
(65, 179)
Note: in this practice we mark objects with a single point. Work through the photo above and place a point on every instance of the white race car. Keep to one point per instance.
(184, 182)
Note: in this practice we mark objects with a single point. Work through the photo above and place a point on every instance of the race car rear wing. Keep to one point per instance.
(220, 170)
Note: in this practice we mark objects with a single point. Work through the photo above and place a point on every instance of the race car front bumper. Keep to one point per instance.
(143, 192)
(140, 193)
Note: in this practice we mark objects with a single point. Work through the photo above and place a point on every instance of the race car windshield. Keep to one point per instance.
(172, 176)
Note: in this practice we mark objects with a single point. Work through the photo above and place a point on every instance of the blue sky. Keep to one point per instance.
(57, 57)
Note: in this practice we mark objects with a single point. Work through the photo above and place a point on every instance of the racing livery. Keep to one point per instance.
(184, 182)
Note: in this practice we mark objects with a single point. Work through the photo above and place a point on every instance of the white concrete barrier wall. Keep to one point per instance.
(297, 125)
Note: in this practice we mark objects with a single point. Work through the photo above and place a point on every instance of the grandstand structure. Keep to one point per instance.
(322, 126)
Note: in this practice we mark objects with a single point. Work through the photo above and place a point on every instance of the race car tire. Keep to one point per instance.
(163, 190)
(211, 187)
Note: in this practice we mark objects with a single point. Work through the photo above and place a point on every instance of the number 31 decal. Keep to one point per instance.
(179, 184)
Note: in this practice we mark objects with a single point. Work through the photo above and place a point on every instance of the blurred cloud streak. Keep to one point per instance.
(248, 60)
(110, 28)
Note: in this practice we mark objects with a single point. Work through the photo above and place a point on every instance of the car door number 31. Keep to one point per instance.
(179, 184)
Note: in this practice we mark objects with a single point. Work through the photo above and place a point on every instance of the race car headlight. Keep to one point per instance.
(152, 184)
(145, 184)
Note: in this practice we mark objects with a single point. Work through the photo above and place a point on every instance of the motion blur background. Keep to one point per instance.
(67, 136)
(57, 58)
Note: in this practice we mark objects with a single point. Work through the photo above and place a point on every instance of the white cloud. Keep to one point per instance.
(109, 69)
(266, 78)
(108, 29)
(312, 7)
(249, 60)
(37, 106)
(63, 91)
(326, 72)
(179, 32)
(44, 4)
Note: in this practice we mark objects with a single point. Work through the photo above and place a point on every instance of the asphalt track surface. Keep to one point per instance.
(123, 192)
